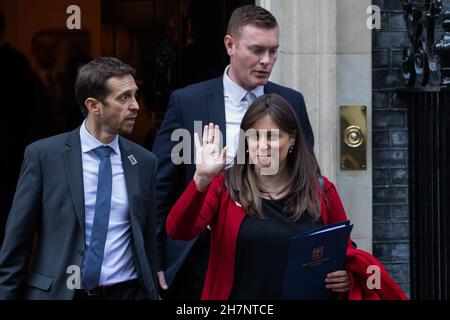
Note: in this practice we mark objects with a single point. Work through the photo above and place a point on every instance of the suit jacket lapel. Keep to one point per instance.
(216, 106)
(74, 173)
(269, 88)
(131, 172)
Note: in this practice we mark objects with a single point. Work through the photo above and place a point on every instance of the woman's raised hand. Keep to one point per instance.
(210, 161)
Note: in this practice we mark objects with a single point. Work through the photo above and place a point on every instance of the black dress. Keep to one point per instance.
(262, 251)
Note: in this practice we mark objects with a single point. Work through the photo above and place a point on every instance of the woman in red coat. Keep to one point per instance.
(253, 209)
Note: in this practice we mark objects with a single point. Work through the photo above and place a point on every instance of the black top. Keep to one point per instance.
(262, 251)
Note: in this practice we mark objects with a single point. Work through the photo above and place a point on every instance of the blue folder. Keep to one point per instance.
(312, 256)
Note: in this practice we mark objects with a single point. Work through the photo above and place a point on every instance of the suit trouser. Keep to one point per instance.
(188, 283)
(129, 290)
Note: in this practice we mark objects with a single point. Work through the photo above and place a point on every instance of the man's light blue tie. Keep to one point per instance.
(94, 255)
(248, 99)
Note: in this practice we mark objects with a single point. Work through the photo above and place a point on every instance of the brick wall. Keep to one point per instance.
(390, 145)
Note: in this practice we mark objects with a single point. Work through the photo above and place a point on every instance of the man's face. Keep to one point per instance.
(46, 50)
(252, 55)
(119, 110)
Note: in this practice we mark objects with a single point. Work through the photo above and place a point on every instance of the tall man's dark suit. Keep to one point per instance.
(50, 199)
(199, 102)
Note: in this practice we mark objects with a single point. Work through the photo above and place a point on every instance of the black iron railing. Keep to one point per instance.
(429, 134)
(426, 70)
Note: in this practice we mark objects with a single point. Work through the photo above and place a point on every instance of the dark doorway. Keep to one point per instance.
(171, 43)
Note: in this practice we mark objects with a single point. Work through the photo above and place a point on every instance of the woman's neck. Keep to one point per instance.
(274, 186)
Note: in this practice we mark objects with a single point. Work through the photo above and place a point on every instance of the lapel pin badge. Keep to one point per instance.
(132, 160)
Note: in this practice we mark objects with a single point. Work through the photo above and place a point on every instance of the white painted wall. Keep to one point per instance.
(326, 53)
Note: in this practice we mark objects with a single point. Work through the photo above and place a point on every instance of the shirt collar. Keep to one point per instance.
(89, 143)
(234, 91)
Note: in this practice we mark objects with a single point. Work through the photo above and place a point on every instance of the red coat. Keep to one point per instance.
(195, 210)
(357, 265)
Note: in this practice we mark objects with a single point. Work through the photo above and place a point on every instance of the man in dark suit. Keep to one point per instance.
(252, 42)
(89, 195)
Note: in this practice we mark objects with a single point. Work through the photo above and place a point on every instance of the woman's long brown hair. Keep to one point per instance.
(241, 180)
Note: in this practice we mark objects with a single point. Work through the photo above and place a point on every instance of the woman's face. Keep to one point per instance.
(268, 145)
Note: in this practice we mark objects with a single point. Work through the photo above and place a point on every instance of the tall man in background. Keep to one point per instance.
(252, 42)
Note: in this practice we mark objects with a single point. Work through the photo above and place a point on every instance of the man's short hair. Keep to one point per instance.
(92, 77)
(250, 15)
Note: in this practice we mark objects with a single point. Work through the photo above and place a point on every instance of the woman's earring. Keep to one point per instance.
(291, 149)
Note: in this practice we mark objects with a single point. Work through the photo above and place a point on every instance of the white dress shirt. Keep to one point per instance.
(234, 112)
(118, 264)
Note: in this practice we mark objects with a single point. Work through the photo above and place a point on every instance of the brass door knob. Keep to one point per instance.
(353, 136)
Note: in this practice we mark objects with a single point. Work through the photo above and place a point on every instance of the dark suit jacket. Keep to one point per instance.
(50, 200)
(204, 102)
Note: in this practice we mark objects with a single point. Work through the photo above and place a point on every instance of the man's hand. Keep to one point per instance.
(162, 280)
